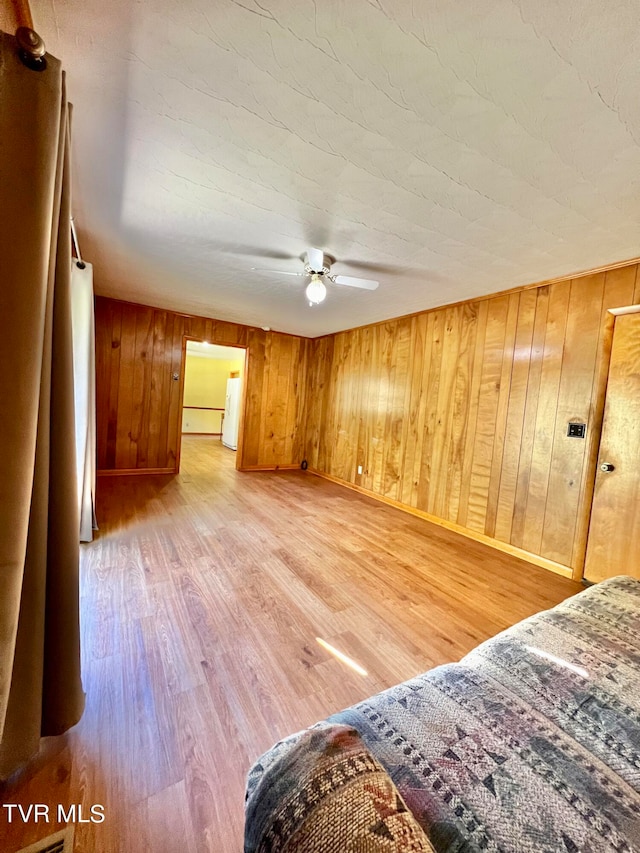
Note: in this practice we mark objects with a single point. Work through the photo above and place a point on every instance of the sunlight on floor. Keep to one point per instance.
(342, 657)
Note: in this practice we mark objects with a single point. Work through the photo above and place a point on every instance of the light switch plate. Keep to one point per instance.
(576, 430)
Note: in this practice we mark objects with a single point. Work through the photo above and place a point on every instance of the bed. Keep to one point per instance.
(530, 743)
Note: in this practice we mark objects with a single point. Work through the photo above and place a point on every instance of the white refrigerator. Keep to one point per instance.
(232, 413)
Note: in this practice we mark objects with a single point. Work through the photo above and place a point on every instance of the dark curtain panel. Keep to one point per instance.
(40, 688)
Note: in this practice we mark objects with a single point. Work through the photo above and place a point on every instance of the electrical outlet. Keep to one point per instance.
(359, 469)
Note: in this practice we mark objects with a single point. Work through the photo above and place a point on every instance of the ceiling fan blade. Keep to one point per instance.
(230, 247)
(385, 269)
(279, 272)
(315, 259)
(349, 281)
(259, 252)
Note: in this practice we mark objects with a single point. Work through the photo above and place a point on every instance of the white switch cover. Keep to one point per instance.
(359, 469)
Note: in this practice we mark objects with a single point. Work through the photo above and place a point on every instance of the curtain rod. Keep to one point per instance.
(31, 48)
(23, 14)
(81, 264)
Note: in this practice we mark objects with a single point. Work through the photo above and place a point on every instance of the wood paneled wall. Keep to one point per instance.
(138, 349)
(462, 412)
(459, 413)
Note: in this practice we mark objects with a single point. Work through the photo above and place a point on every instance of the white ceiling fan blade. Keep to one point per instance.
(315, 259)
(349, 281)
(279, 272)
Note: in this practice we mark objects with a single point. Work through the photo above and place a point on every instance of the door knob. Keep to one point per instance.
(607, 467)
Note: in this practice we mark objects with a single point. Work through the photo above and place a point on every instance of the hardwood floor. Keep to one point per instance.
(202, 598)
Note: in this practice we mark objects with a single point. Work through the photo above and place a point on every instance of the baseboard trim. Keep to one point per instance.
(543, 562)
(128, 472)
(288, 467)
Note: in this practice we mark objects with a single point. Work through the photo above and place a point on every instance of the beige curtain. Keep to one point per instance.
(40, 688)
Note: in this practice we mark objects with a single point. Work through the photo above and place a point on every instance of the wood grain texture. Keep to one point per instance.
(467, 532)
(14, 14)
(138, 349)
(614, 533)
(462, 412)
(202, 596)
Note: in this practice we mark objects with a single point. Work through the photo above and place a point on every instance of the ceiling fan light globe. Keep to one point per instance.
(315, 292)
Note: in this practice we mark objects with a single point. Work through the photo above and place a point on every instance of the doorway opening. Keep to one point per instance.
(212, 400)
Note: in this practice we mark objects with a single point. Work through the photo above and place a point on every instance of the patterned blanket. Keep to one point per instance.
(325, 793)
(531, 743)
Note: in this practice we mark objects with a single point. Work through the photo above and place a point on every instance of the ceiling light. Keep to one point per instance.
(316, 291)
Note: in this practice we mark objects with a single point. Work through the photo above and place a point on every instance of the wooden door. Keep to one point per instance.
(614, 533)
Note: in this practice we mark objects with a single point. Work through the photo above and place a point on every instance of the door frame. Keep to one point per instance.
(183, 370)
(595, 436)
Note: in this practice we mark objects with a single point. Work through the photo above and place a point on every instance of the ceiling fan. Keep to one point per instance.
(318, 268)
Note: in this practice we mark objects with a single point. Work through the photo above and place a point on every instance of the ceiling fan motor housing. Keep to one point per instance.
(326, 268)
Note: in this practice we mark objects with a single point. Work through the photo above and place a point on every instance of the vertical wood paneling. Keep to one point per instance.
(414, 415)
(267, 415)
(444, 414)
(138, 349)
(357, 386)
(434, 345)
(341, 451)
(103, 337)
(508, 355)
(462, 412)
(472, 413)
(298, 399)
(515, 415)
(381, 368)
(141, 389)
(481, 465)
(320, 359)
(174, 414)
(253, 432)
(159, 392)
(530, 414)
(573, 403)
(399, 380)
(280, 384)
(545, 414)
(364, 405)
(461, 398)
(124, 411)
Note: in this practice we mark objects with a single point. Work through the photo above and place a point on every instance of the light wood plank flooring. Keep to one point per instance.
(202, 598)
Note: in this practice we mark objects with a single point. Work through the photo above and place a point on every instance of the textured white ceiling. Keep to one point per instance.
(466, 147)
